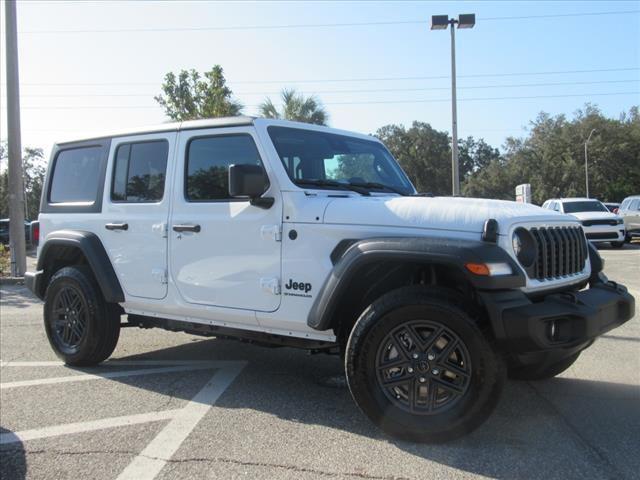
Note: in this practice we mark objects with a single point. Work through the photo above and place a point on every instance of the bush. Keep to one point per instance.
(5, 261)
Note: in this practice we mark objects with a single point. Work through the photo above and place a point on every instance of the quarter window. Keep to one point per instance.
(139, 172)
(76, 175)
(208, 160)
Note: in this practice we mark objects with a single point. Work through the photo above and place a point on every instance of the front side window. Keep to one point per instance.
(207, 165)
(76, 173)
(139, 172)
(331, 160)
(584, 206)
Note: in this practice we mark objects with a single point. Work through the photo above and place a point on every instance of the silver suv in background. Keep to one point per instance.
(630, 212)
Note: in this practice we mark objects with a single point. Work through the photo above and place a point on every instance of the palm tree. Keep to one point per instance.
(296, 107)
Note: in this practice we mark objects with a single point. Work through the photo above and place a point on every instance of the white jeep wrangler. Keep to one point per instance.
(290, 234)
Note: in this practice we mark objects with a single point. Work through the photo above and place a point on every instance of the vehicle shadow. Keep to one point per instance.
(13, 464)
(17, 296)
(563, 420)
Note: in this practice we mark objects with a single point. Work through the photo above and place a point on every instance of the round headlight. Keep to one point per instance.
(516, 241)
(524, 247)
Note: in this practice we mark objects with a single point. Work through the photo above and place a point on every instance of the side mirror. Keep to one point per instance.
(249, 181)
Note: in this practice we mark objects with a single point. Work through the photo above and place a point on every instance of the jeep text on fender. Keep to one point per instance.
(297, 235)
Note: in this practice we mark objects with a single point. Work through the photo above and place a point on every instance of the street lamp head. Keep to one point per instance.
(439, 22)
(466, 20)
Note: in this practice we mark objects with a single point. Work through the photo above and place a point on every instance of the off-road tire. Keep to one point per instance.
(541, 371)
(100, 320)
(433, 305)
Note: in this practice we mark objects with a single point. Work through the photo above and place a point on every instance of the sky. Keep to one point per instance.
(87, 67)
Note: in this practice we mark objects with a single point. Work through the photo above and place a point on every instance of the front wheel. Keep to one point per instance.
(82, 328)
(420, 367)
(617, 244)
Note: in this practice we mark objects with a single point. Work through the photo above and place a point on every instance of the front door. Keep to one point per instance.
(136, 211)
(223, 251)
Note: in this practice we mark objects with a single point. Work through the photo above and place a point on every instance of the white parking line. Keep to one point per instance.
(153, 458)
(91, 376)
(79, 427)
(110, 363)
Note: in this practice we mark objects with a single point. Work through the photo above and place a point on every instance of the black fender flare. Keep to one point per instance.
(454, 253)
(93, 250)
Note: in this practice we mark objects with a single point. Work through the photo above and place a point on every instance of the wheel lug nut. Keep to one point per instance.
(422, 379)
(431, 356)
(415, 355)
(435, 371)
(410, 370)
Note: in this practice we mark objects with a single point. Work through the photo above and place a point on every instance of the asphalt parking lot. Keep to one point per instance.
(171, 405)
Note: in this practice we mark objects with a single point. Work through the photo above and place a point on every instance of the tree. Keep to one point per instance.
(297, 107)
(192, 97)
(34, 172)
(551, 159)
(424, 154)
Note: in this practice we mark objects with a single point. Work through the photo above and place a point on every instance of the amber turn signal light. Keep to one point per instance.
(478, 269)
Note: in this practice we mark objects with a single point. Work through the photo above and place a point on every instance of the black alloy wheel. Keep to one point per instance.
(69, 319)
(423, 367)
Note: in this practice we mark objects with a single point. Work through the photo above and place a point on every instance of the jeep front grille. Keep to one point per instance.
(561, 251)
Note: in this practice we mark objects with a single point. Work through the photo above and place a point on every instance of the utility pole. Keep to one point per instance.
(586, 162)
(16, 184)
(455, 176)
(442, 22)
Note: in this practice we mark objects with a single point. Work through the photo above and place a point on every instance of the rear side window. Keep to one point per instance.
(139, 172)
(76, 174)
(207, 165)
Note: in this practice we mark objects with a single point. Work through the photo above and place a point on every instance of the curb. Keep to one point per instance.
(11, 280)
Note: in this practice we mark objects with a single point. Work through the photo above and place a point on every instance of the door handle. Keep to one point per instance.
(186, 228)
(117, 226)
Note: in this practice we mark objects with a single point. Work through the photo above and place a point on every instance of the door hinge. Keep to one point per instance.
(161, 228)
(273, 232)
(160, 274)
(271, 285)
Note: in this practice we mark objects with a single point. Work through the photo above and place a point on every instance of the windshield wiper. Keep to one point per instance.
(332, 183)
(380, 186)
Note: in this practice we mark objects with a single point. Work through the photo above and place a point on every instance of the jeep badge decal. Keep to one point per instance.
(302, 287)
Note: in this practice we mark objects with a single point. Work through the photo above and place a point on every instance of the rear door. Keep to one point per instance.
(136, 211)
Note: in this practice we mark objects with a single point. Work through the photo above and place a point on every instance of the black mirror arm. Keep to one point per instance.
(262, 202)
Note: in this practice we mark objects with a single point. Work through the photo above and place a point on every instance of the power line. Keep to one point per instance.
(316, 25)
(316, 92)
(367, 102)
(366, 79)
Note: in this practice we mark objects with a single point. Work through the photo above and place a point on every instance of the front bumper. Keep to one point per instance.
(604, 233)
(560, 321)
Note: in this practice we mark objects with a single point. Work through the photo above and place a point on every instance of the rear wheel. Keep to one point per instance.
(420, 368)
(81, 327)
(543, 370)
(617, 244)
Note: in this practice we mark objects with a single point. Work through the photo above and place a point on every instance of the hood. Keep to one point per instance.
(443, 213)
(594, 215)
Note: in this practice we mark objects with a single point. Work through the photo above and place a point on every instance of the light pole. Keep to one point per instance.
(586, 164)
(442, 22)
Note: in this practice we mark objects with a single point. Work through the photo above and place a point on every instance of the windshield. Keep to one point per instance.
(328, 160)
(586, 206)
